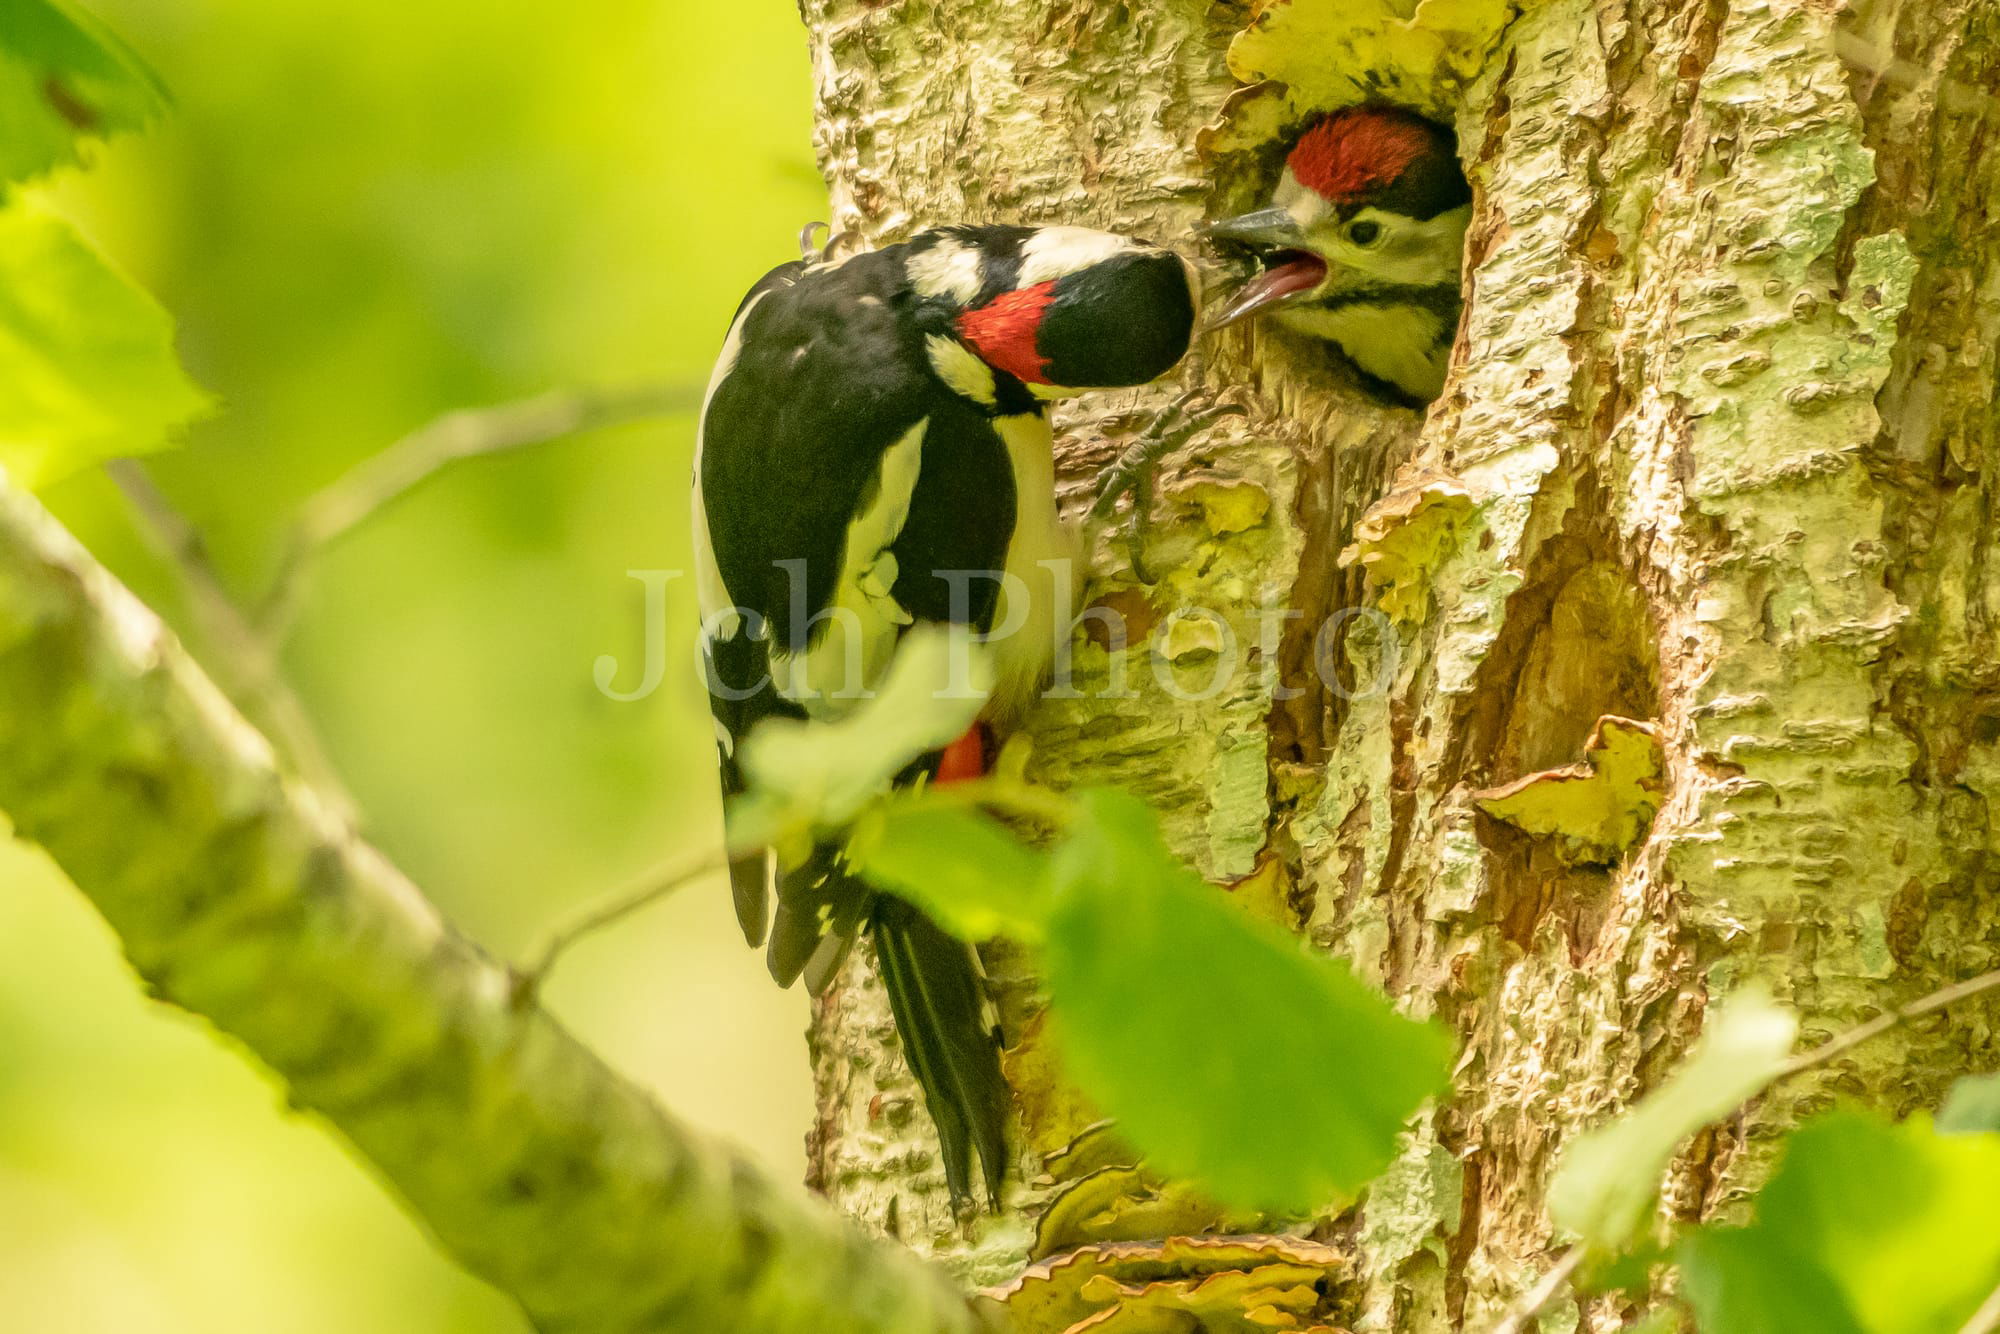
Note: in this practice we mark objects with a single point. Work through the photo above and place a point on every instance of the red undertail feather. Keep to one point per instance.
(965, 758)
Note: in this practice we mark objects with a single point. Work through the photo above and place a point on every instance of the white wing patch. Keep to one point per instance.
(1052, 252)
(949, 268)
(961, 370)
(864, 620)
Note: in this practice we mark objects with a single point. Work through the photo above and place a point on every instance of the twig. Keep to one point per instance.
(245, 647)
(1954, 95)
(648, 889)
(1987, 1318)
(1542, 1294)
(1009, 795)
(383, 478)
(1986, 1321)
(1881, 1024)
(244, 659)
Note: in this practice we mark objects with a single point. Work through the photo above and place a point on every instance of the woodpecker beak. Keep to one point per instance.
(1269, 228)
(1290, 269)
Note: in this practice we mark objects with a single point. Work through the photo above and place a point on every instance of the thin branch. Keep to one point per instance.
(244, 658)
(1883, 1023)
(1538, 1298)
(238, 897)
(1987, 1318)
(245, 648)
(1009, 796)
(647, 890)
(385, 477)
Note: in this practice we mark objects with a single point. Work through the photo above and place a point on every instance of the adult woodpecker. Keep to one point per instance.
(1362, 244)
(873, 448)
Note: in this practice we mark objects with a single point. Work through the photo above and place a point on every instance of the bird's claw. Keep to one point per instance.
(1132, 472)
(812, 252)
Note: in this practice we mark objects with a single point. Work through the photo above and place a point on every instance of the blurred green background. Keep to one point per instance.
(364, 215)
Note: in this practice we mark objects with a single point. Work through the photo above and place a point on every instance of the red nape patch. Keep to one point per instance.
(1003, 332)
(965, 758)
(1358, 150)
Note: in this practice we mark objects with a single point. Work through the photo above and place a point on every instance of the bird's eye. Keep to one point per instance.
(1364, 232)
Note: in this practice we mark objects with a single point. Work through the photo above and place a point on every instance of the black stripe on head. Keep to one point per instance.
(1440, 298)
(1123, 321)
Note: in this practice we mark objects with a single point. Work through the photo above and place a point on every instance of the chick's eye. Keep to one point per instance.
(1364, 232)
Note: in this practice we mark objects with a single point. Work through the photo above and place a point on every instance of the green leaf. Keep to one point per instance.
(1744, 1282)
(64, 77)
(1228, 1054)
(1629, 1272)
(87, 365)
(1867, 1226)
(806, 777)
(1604, 1188)
(1972, 1107)
(964, 869)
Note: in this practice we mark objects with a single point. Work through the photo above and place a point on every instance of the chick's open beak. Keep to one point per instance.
(1289, 270)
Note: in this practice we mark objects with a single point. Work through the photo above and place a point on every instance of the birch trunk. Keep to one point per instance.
(1661, 649)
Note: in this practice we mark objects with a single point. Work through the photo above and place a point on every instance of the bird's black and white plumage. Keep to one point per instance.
(874, 454)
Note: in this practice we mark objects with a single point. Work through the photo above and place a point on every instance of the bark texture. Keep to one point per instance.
(1683, 663)
(237, 896)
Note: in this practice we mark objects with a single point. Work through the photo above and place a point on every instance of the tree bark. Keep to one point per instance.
(1677, 663)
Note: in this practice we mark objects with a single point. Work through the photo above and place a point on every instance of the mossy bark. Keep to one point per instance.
(1717, 456)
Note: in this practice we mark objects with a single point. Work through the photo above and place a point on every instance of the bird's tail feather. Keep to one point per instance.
(934, 989)
(817, 900)
(750, 886)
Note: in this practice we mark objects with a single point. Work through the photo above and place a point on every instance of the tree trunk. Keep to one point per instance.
(1703, 510)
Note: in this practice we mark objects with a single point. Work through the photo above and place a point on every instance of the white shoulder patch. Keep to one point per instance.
(1052, 252)
(864, 620)
(948, 268)
(961, 369)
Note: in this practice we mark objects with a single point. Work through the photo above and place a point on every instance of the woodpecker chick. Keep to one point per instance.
(1362, 244)
(874, 452)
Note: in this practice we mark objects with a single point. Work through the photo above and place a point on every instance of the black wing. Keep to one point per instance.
(824, 409)
(823, 374)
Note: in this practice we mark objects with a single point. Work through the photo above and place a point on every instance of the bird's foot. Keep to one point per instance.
(1132, 472)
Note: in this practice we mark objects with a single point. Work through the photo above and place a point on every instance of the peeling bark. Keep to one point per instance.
(1697, 466)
